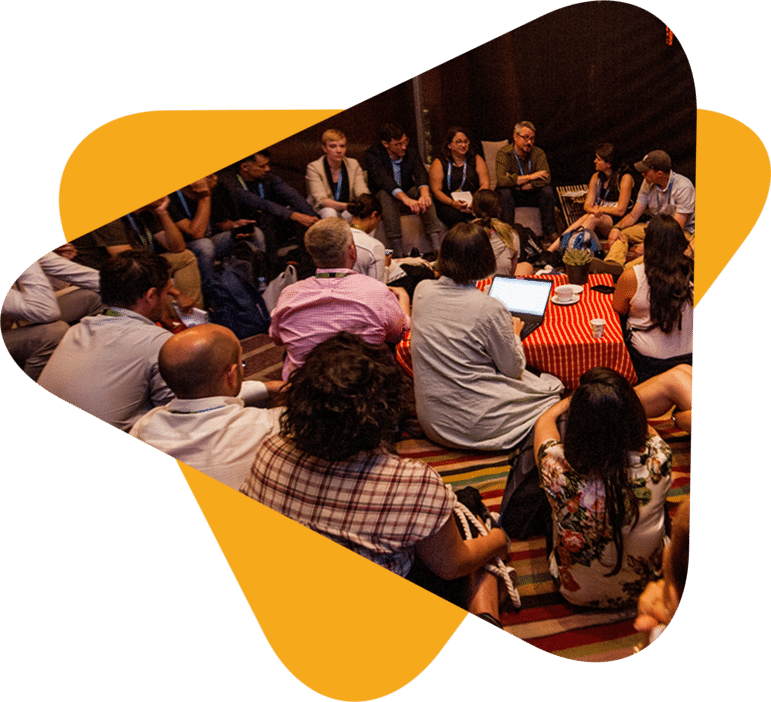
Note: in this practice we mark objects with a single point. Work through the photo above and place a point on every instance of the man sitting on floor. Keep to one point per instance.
(664, 192)
(108, 363)
(207, 426)
(335, 299)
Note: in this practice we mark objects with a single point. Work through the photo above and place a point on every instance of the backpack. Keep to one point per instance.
(235, 301)
(581, 238)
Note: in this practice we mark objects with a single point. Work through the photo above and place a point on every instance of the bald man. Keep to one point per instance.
(207, 425)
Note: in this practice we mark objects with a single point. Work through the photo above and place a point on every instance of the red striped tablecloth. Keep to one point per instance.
(563, 345)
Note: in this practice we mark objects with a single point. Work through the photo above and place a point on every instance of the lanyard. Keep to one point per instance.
(449, 174)
(147, 240)
(183, 201)
(259, 186)
(335, 274)
(529, 165)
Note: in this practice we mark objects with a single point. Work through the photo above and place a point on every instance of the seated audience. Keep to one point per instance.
(608, 198)
(107, 365)
(207, 425)
(331, 469)
(366, 213)
(150, 228)
(656, 296)
(459, 169)
(201, 212)
(471, 386)
(486, 206)
(670, 390)
(399, 180)
(35, 317)
(660, 599)
(607, 483)
(333, 180)
(523, 178)
(663, 192)
(281, 213)
(335, 299)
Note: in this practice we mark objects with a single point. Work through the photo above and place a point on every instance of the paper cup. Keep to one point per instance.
(598, 328)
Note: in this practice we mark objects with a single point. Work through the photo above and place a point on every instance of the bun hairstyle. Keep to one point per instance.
(364, 206)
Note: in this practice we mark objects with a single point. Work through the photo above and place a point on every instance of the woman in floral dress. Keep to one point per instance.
(607, 486)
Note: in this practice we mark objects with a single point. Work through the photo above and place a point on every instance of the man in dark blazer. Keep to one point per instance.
(399, 180)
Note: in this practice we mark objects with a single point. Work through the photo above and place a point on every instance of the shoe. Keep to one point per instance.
(598, 266)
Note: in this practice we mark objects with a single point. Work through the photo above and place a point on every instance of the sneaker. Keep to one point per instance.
(598, 266)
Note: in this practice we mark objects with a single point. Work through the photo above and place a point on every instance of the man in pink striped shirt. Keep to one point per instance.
(335, 299)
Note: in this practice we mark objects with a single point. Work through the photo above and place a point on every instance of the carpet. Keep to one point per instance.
(545, 619)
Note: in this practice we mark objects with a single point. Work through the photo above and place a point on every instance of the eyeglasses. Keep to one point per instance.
(525, 138)
(460, 142)
(403, 142)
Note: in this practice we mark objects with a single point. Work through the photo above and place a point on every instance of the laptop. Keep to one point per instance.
(525, 298)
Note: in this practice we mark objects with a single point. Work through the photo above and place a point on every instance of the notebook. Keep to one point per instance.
(525, 298)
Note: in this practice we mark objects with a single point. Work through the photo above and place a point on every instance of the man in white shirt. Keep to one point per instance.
(207, 426)
(35, 317)
(663, 192)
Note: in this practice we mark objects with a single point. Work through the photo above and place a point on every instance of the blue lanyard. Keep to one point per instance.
(148, 242)
(339, 190)
(449, 174)
(183, 201)
(529, 165)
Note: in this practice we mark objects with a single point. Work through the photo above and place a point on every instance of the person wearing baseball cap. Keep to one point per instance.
(663, 192)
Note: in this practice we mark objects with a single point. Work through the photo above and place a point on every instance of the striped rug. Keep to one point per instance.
(545, 620)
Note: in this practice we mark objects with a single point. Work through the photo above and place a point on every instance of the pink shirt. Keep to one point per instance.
(312, 310)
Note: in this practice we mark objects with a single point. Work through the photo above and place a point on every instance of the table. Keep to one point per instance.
(563, 345)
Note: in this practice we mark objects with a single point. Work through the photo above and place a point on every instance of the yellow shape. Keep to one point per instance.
(726, 210)
(342, 625)
(136, 159)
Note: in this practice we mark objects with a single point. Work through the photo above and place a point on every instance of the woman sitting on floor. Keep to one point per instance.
(486, 207)
(471, 386)
(608, 198)
(366, 213)
(331, 469)
(607, 485)
(656, 296)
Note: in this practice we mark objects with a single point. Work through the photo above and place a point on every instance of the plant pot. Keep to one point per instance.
(578, 275)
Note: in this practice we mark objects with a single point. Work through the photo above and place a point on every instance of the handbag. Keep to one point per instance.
(271, 293)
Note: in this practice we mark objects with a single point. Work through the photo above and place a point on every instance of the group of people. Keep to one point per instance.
(318, 445)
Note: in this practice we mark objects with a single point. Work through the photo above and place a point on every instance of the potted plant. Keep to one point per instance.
(577, 262)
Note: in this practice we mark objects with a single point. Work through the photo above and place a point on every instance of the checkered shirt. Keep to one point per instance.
(376, 504)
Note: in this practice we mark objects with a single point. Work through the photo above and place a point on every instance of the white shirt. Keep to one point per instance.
(370, 255)
(216, 435)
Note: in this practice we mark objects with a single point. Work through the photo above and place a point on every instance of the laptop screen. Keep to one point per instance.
(525, 296)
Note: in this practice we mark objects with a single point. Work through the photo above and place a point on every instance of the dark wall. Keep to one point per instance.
(592, 72)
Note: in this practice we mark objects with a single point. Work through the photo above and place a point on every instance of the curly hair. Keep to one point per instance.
(466, 254)
(606, 421)
(669, 272)
(347, 397)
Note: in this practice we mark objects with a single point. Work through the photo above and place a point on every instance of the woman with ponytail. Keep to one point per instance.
(606, 483)
(486, 207)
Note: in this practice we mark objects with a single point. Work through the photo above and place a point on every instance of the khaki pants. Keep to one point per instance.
(634, 235)
(187, 278)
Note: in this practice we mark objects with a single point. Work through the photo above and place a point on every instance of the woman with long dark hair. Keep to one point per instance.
(608, 197)
(458, 169)
(606, 483)
(656, 296)
(471, 386)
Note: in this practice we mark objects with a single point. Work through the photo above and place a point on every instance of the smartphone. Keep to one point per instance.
(607, 289)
